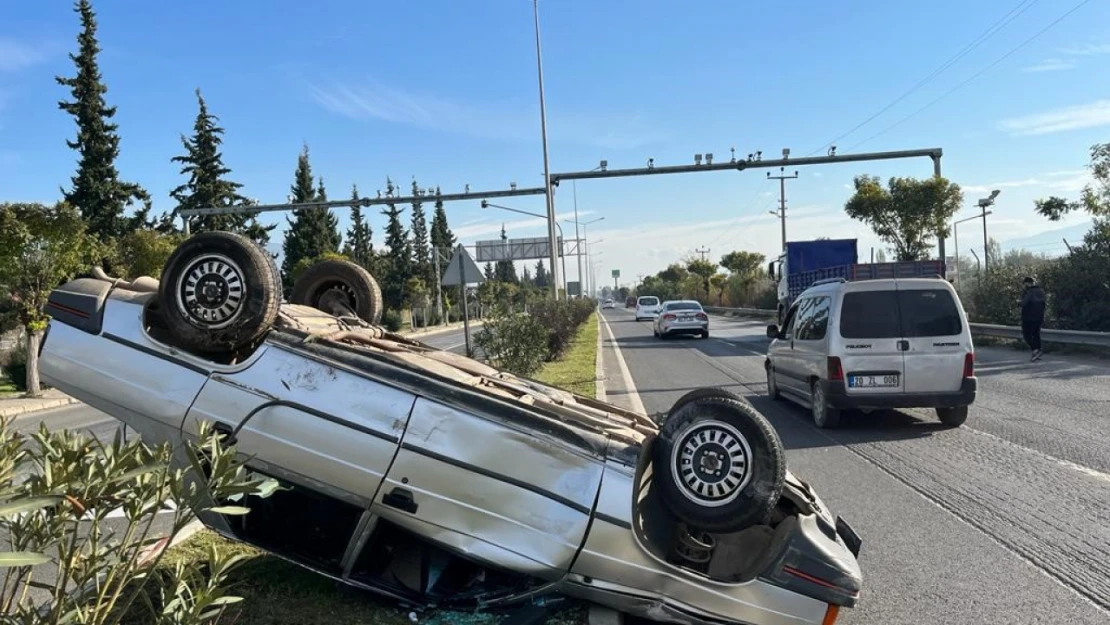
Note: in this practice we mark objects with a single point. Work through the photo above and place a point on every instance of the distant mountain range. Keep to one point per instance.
(1050, 242)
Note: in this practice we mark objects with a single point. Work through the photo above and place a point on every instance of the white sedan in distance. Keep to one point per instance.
(681, 317)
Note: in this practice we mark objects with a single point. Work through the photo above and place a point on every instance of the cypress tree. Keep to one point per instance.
(505, 270)
(488, 271)
(540, 277)
(97, 190)
(359, 247)
(441, 235)
(422, 266)
(207, 185)
(312, 231)
(398, 258)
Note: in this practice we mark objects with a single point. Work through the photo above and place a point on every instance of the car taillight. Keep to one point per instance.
(668, 316)
(836, 372)
(969, 365)
(702, 316)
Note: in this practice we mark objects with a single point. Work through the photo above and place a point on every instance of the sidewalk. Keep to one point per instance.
(458, 325)
(51, 398)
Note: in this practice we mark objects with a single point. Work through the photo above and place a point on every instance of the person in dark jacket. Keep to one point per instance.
(1032, 315)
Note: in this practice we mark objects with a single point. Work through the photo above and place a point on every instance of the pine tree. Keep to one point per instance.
(422, 266)
(207, 186)
(505, 270)
(540, 277)
(359, 247)
(488, 271)
(398, 259)
(312, 231)
(442, 237)
(526, 277)
(97, 190)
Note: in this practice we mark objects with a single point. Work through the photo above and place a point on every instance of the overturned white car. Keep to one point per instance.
(435, 479)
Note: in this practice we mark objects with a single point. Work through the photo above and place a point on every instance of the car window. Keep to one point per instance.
(928, 312)
(649, 301)
(684, 306)
(899, 314)
(788, 323)
(870, 315)
(813, 322)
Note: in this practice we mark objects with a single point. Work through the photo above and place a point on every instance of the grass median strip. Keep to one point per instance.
(576, 369)
(276, 592)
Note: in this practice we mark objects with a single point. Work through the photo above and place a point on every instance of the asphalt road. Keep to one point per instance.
(1005, 520)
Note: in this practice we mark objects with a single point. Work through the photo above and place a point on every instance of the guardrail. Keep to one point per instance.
(1069, 337)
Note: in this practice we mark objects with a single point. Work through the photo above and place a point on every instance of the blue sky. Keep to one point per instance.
(446, 91)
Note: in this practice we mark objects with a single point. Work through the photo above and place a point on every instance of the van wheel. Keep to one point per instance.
(340, 287)
(772, 384)
(824, 415)
(718, 464)
(952, 417)
(218, 292)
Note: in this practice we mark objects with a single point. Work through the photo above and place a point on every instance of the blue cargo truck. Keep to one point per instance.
(804, 263)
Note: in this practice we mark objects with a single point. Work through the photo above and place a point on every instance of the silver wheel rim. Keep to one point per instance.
(211, 291)
(818, 404)
(771, 386)
(711, 464)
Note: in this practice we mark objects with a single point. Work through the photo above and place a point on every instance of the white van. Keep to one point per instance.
(647, 307)
(874, 344)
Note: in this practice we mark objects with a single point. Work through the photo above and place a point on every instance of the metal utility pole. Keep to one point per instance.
(703, 251)
(956, 240)
(578, 240)
(548, 195)
(983, 204)
(782, 178)
(439, 286)
(940, 235)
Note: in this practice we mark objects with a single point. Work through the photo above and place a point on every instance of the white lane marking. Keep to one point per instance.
(1068, 464)
(599, 368)
(451, 347)
(637, 405)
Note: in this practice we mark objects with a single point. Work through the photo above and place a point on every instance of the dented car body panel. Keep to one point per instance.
(388, 446)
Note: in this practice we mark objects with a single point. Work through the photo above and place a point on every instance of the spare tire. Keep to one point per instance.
(705, 391)
(217, 292)
(718, 464)
(339, 287)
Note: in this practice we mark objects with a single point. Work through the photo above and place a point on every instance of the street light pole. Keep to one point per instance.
(548, 195)
(486, 204)
(576, 224)
(956, 241)
(983, 204)
(577, 239)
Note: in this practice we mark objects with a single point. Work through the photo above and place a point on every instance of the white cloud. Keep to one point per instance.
(1069, 181)
(510, 121)
(1090, 115)
(1049, 65)
(17, 55)
(1089, 49)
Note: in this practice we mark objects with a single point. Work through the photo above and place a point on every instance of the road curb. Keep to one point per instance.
(33, 406)
(599, 367)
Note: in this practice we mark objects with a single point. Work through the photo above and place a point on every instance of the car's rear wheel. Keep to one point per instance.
(772, 384)
(218, 292)
(952, 417)
(719, 465)
(705, 334)
(339, 287)
(824, 415)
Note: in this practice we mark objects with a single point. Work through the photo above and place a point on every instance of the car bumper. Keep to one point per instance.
(691, 328)
(838, 397)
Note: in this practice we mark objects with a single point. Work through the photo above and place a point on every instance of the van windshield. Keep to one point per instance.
(899, 314)
(649, 301)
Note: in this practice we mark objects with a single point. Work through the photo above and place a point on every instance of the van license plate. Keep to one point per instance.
(873, 381)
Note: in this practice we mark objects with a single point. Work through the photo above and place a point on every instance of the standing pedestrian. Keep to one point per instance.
(1032, 315)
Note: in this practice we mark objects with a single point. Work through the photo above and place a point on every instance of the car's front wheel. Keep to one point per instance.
(218, 292)
(340, 287)
(718, 463)
(772, 384)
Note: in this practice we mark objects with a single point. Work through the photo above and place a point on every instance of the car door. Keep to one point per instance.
(782, 352)
(479, 481)
(810, 355)
(933, 331)
(869, 339)
(326, 431)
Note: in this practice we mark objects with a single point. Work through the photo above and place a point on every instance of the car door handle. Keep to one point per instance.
(904, 345)
(401, 499)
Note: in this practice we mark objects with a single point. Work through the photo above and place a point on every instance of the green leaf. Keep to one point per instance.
(225, 601)
(230, 510)
(22, 558)
(18, 506)
(128, 475)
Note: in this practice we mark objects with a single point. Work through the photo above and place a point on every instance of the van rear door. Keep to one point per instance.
(870, 335)
(935, 333)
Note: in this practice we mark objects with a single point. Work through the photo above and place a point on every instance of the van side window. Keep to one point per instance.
(789, 324)
(813, 323)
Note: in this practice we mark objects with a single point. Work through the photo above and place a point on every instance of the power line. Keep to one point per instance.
(974, 76)
(752, 199)
(987, 34)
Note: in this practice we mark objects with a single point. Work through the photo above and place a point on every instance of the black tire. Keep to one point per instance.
(952, 417)
(338, 286)
(824, 415)
(705, 334)
(753, 462)
(240, 301)
(772, 385)
(705, 391)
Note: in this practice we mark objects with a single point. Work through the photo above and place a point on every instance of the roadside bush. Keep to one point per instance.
(57, 490)
(515, 342)
(996, 298)
(1078, 288)
(392, 320)
(561, 320)
(16, 367)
